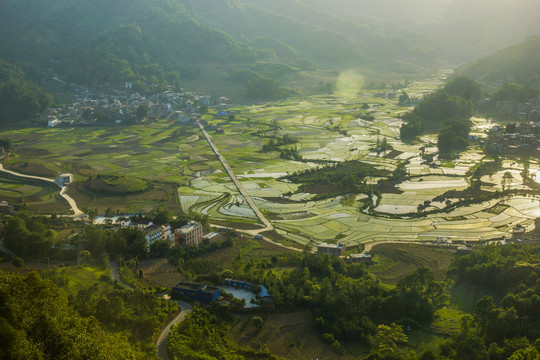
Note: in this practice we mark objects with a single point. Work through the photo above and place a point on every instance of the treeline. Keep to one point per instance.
(204, 335)
(448, 111)
(276, 141)
(20, 100)
(346, 301)
(136, 314)
(350, 305)
(514, 92)
(507, 326)
(37, 322)
(261, 87)
(35, 237)
(340, 178)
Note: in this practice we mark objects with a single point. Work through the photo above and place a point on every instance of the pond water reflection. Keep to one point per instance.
(245, 294)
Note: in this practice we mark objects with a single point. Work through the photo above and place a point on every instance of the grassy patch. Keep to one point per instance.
(110, 184)
(245, 248)
(288, 335)
(72, 279)
(464, 296)
(447, 321)
(393, 262)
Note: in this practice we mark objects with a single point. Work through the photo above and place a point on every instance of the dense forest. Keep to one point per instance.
(91, 326)
(165, 41)
(348, 304)
(20, 100)
(347, 177)
(447, 111)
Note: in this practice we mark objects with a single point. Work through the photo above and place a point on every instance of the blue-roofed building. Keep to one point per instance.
(199, 292)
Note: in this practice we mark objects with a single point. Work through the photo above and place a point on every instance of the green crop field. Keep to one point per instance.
(35, 194)
(139, 167)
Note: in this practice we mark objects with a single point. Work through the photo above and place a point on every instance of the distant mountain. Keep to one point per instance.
(519, 63)
(166, 40)
(119, 40)
(473, 28)
(324, 36)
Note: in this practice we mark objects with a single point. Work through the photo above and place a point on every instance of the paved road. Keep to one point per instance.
(239, 186)
(161, 342)
(69, 199)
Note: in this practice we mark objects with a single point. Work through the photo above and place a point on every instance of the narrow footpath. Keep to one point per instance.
(115, 274)
(239, 186)
(69, 199)
(161, 342)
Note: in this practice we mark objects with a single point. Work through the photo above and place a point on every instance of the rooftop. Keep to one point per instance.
(189, 227)
(191, 286)
(360, 256)
(331, 246)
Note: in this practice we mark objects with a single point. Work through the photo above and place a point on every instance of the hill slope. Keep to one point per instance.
(113, 41)
(164, 40)
(519, 63)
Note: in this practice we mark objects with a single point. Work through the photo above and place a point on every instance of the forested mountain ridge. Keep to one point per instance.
(112, 41)
(166, 40)
(158, 40)
(519, 63)
(19, 98)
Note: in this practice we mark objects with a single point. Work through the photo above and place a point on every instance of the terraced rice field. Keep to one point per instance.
(327, 129)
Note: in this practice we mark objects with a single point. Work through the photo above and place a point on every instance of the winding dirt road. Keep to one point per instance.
(69, 199)
(161, 342)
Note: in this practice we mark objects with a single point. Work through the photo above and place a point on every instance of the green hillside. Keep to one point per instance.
(519, 63)
(112, 41)
(161, 41)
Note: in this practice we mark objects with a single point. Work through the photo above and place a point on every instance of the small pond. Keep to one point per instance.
(244, 294)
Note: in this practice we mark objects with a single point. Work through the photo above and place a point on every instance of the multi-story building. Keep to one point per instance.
(189, 234)
(152, 234)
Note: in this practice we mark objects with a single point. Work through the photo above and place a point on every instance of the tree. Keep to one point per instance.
(411, 129)
(403, 98)
(109, 213)
(6, 143)
(464, 87)
(483, 311)
(92, 215)
(388, 338)
(142, 112)
(453, 137)
(506, 181)
(160, 248)
(18, 262)
(258, 322)
(510, 128)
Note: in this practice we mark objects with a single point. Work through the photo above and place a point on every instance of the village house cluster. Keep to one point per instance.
(121, 106)
(526, 111)
(526, 137)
